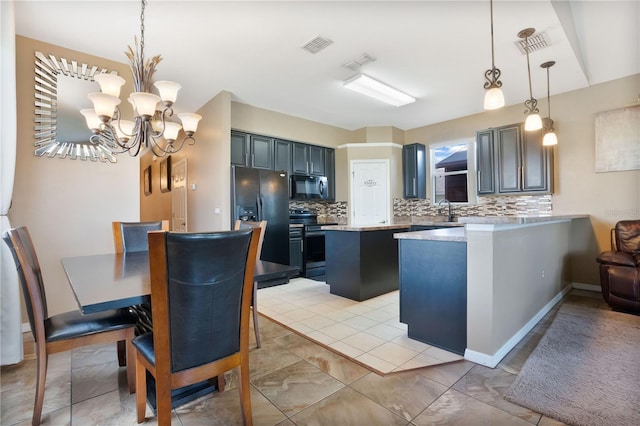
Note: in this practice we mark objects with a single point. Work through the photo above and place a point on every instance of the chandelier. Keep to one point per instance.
(151, 127)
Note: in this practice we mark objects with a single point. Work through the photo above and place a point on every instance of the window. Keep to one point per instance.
(450, 176)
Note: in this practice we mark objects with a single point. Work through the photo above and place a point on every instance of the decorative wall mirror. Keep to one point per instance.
(61, 88)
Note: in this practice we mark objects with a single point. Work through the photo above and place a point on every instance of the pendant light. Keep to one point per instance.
(493, 98)
(550, 137)
(533, 121)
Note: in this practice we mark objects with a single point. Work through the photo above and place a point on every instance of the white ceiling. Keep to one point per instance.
(436, 51)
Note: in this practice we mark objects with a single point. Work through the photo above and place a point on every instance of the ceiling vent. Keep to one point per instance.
(317, 44)
(536, 42)
(359, 61)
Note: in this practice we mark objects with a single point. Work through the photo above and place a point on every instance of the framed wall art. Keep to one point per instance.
(618, 139)
(165, 175)
(146, 181)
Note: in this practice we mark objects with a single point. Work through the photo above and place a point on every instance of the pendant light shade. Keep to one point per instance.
(533, 121)
(550, 137)
(493, 98)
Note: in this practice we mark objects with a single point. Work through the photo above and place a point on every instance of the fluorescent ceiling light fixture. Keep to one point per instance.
(368, 86)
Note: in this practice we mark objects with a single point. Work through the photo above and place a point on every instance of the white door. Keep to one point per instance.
(179, 196)
(370, 192)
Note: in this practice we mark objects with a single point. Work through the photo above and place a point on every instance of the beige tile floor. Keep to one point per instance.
(293, 382)
(367, 332)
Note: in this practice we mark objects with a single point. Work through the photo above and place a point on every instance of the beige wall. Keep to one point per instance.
(368, 151)
(208, 168)
(606, 197)
(68, 205)
(270, 123)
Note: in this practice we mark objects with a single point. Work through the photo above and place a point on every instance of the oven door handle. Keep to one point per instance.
(314, 234)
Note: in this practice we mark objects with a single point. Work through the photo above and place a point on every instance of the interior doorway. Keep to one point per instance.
(370, 201)
(179, 196)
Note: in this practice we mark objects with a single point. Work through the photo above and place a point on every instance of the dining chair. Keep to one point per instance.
(244, 224)
(131, 237)
(200, 296)
(62, 332)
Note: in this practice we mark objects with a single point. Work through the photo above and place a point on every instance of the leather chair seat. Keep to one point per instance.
(144, 346)
(74, 324)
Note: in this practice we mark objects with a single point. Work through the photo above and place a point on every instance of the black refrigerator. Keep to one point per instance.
(256, 195)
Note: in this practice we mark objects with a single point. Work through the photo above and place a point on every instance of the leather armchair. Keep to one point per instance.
(620, 268)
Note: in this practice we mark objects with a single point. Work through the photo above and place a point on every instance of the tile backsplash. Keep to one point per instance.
(499, 205)
(403, 209)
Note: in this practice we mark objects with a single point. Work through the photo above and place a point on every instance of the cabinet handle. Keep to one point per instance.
(415, 192)
(311, 167)
(246, 159)
(253, 159)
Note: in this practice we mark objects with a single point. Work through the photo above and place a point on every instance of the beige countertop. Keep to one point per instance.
(515, 220)
(365, 228)
(449, 234)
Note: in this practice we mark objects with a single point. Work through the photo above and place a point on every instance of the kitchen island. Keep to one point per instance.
(362, 261)
(516, 270)
(433, 287)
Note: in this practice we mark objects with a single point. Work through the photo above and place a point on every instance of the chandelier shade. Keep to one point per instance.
(110, 83)
(151, 126)
(493, 98)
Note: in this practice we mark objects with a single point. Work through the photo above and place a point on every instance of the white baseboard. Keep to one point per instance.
(493, 360)
(588, 287)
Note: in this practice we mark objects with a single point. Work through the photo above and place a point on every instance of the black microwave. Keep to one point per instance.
(305, 187)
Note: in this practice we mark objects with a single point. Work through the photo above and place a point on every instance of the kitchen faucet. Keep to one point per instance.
(450, 216)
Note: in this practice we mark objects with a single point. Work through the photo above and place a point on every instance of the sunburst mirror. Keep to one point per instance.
(61, 88)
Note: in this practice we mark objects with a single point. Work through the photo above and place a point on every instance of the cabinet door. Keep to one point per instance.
(508, 159)
(295, 253)
(300, 158)
(282, 155)
(414, 164)
(536, 162)
(330, 166)
(261, 152)
(240, 149)
(316, 160)
(486, 182)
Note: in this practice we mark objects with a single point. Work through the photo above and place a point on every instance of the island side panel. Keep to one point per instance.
(361, 265)
(433, 292)
(342, 263)
(379, 263)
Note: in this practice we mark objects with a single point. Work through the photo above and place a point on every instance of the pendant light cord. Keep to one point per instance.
(548, 94)
(526, 49)
(492, 56)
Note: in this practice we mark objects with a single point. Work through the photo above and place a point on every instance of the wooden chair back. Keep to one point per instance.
(245, 224)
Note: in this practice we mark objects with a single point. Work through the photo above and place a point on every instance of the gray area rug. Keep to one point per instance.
(585, 370)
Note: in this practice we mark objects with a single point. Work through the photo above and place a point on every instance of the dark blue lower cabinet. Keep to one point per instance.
(433, 292)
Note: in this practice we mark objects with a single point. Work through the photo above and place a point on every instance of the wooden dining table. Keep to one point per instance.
(113, 281)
